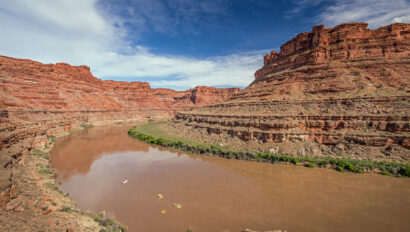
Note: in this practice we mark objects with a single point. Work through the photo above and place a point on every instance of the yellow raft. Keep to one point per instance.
(177, 205)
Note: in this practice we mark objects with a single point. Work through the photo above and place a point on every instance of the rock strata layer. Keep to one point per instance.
(341, 91)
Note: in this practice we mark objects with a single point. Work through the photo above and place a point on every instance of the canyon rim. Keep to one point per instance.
(339, 94)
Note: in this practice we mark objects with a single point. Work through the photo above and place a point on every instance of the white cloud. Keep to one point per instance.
(76, 32)
(333, 12)
(375, 12)
(300, 5)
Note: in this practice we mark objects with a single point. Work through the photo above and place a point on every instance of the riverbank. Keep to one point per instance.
(33, 201)
(92, 165)
(157, 133)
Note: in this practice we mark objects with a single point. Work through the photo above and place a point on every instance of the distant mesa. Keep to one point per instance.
(62, 86)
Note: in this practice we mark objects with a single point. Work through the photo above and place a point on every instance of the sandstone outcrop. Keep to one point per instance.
(341, 91)
(39, 100)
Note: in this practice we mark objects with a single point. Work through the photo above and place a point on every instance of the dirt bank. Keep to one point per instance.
(33, 200)
(166, 134)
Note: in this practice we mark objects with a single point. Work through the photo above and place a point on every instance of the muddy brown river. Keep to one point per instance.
(218, 194)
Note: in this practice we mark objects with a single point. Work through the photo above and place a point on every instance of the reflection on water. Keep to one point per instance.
(218, 194)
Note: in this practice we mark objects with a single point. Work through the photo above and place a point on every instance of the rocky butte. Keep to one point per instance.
(341, 92)
(38, 101)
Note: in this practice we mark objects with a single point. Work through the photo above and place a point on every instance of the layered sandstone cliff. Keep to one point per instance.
(39, 100)
(341, 91)
(46, 95)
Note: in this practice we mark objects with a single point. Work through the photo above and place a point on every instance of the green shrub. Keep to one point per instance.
(160, 141)
(65, 209)
(384, 172)
(294, 160)
(87, 126)
(405, 171)
(231, 155)
(357, 166)
(41, 154)
(45, 171)
(350, 167)
(51, 138)
(309, 165)
(110, 223)
(52, 186)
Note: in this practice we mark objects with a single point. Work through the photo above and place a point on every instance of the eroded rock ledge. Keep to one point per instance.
(341, 91)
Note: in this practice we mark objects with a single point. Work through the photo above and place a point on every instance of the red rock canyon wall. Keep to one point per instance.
(37, 100)
(335, 87)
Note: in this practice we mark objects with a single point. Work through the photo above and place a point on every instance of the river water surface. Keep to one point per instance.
(218, 194)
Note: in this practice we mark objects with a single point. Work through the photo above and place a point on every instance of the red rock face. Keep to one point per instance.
(344, 42)
(31, 85)
(39, 99)
(330, 86)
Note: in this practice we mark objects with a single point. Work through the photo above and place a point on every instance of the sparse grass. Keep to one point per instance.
(151, 133)
(65, 209)
(52, 186)
(87, 126)
(386, 173)
(45, 171)
(110, 223)
(51, 139)
(42, 186)
(41, 154)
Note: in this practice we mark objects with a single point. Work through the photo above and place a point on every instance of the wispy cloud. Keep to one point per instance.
(375, 12)
(301, 5)
(166, 16)
(81, 32)
(181, 72)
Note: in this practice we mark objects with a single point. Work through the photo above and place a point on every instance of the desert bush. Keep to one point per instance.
(310, 165)
(351, 165)
(87, 126)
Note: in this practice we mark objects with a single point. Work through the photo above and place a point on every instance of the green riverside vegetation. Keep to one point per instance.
(146, 133)
(87, 126)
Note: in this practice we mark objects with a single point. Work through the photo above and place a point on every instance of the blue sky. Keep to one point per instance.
(175, 44)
